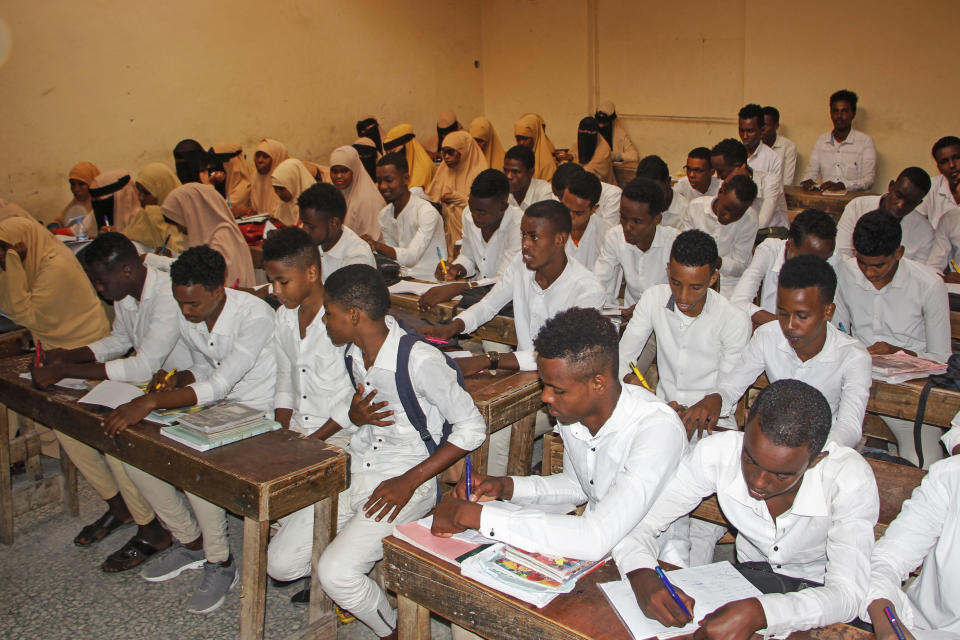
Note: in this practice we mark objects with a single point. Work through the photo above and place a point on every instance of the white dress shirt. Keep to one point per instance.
(538, 191)
(642, 269)
(825, 536)
(608, 207)
(770, 205)
(532, 305)
(912, 311)
(787, 151)
(921, 242)
(311, 376)
(693, 354)
(841, 372)
(952, 437)
(949, 229)
(928, 531)
(394, 449)
(734, 240)
(489, 259)
(416, 234)
(236, 361)
(619, 473)
(587, 250)
(349, 249)
(938, 200)
(766, 160)
(852, 162)
(675, 212)
(150, 327)
(685, 189)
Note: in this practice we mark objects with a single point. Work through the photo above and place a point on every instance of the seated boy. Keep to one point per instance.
(844, 159)
(728, 218)
(519, 163)
(761, 157)
(804, 510)
(581, 198)
(608, 206)
(229, 336)
(944, 194)
(393, 468)
(729, 157)
(812, 232)
(700, 180)
(322, 210)
(674, 204)
(783, 147)
(412, 228)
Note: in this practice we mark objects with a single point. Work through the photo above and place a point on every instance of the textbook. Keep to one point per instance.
(900, 367)
(556, 568)
(202, 442)
(173, 416)
(221, 417)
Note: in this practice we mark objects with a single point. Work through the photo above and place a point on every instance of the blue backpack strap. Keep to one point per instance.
(348, 360)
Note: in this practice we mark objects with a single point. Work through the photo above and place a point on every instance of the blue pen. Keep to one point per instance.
(469, 473)
(892, 619)
(672, 591)
(843, 328)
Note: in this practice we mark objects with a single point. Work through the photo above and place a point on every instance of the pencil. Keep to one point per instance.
(36, 357)
(640, 377)
(163, 247)
(953, 263)
(166, 378)
(443, 265)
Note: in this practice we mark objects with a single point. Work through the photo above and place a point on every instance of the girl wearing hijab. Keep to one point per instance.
(269, 155)
(290, 179)
(462, 161)
(115, 200)
(621, 146)
(368, 127)
(363, 198)
(530, 131)
(189, 160)
(592, 151)
(402, 139)
(446, 123)
(487, 139)
(235, 177)
(203, 217)
(149, 230)
(367, 150)
(81, 177)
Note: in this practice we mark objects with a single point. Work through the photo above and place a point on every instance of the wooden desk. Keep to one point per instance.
(261, 479)
(499, 329)
(798, 198)
(425, 583)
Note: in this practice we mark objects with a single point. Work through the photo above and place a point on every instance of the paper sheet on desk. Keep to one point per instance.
(78, 384)
(410, 286)
(110, 393)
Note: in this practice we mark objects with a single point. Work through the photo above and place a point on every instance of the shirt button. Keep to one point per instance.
(368, 464)
(306, 417)
(778, 566)
(491, 534)
(591, 482)
(211, 344)
(303, 370)
(776, 548)
(304, 397)
(593, 448)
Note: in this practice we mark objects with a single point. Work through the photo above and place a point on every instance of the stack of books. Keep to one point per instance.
(899, 367)
(217, 425)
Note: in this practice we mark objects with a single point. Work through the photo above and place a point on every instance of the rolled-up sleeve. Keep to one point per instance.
(437, 382)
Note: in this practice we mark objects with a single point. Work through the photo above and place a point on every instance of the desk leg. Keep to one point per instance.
(413, 621)
(6, 488)
(253, 578)
(479, 457)
(323, 622)
(521, 446)
(71, 500)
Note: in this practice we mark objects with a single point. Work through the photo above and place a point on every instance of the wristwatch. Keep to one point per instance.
(494, 358)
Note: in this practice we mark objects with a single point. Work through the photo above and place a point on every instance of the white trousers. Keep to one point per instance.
(929, 440)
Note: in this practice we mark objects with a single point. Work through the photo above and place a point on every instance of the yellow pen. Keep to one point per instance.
(443, 265)
(166, 379)
(640, 377)
(953, 263)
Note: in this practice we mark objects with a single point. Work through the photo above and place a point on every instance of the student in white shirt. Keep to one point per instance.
(783, 147)
(581, 198)
(804, 510)
(229, 335)
(393, 470)
(921, 242)
(412, 228)
(760, 156)
(812, 232)
(951, 439)
(313, 391)
(944, 194)
(146, 321)
(926, 531)
(728, 218)
(700, 180)
(891, 303)
(674, 204)
(729, 157)
(519, 163)
(844, 159)
(322, 210)
(491, 240)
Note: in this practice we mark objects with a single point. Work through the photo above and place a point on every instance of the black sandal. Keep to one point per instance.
(98, 530)
(133, 553)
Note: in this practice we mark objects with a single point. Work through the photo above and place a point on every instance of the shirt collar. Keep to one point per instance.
(850, 139)
(827, 353)
(617, 420)
(387, 356)
(149, 285)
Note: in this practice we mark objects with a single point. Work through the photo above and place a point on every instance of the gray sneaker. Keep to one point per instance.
(171, 563)
(217, 581)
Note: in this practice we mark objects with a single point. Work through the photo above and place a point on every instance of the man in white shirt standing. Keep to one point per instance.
(674, 204)
(729, 157)
(844, 159)
(322, 210)
(804, 510)
(700, 180)
(581, 198)
(518, 165)
(783, 147)
(760, 157)
(944, 194)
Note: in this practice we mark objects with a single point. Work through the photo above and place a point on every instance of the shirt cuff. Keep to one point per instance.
(283, 400)
(524, 489)
(494, 521)
(204, 391)
(116, 371)
(951, 439)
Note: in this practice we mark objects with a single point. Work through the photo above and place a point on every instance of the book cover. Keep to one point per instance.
(204, 443)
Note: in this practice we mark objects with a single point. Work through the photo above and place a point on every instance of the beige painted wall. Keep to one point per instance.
(120, 83)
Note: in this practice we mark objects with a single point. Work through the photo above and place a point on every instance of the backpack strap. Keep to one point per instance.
(348, 360)
(918, 421)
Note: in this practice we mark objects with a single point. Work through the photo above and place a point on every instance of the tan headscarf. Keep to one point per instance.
(48, 292)
(84, 172)
(531, 126)
(421, 166)
(148, 226)
(320, 172)
(126, 201)
(237, 185)
(364, 201)
(263, 199)
(456, 183)
(200, 209)
(11, 210)
(483, 129)
(621, 146)
(445, 120)
(294, 176)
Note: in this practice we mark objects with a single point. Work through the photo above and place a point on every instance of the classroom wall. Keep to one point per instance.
(120, 83)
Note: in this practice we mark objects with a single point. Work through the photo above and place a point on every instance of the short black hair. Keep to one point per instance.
(585, 185)
(844, 95)
(110, 249)
(524, 155)
(801, 272)
(877, 233)
(584, 338)
(395, 158)
(291, 245)
(360, 286)
(654, 168)
(732, 150)
(490, 183)
(917, 177)
(792, 414)
(812, 222)
(199, 265)
(701, 153)
(743, 187)
(695, 248)
(323, 198)
(751, 110)
(773, 112)
(561, 177)
(645, 191)
(553, 211)
(943, 143)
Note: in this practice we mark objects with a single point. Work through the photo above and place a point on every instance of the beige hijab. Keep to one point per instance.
(364, 201)
(421, 166)
(294, 176)
(126, 201)
(263, 199)
(237, 185)
(11, 210)
(483, 129)
(48, 292)
(532, 126)
(200, 209)
(148, 226)
(455, 183)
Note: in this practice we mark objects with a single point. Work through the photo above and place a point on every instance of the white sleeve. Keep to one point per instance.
(427, 222)
(847, 222)
(637, 332)
(936, 322)
(468, 252)
(772, 190)
(742, 250)
(283, 393)
(607, 267)
(749, 284)
(868, 168)
(854, 394)
(490, 304)
(741, 371)
(254, 335)
(436, 381)
(789, 164)
(812, 170)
